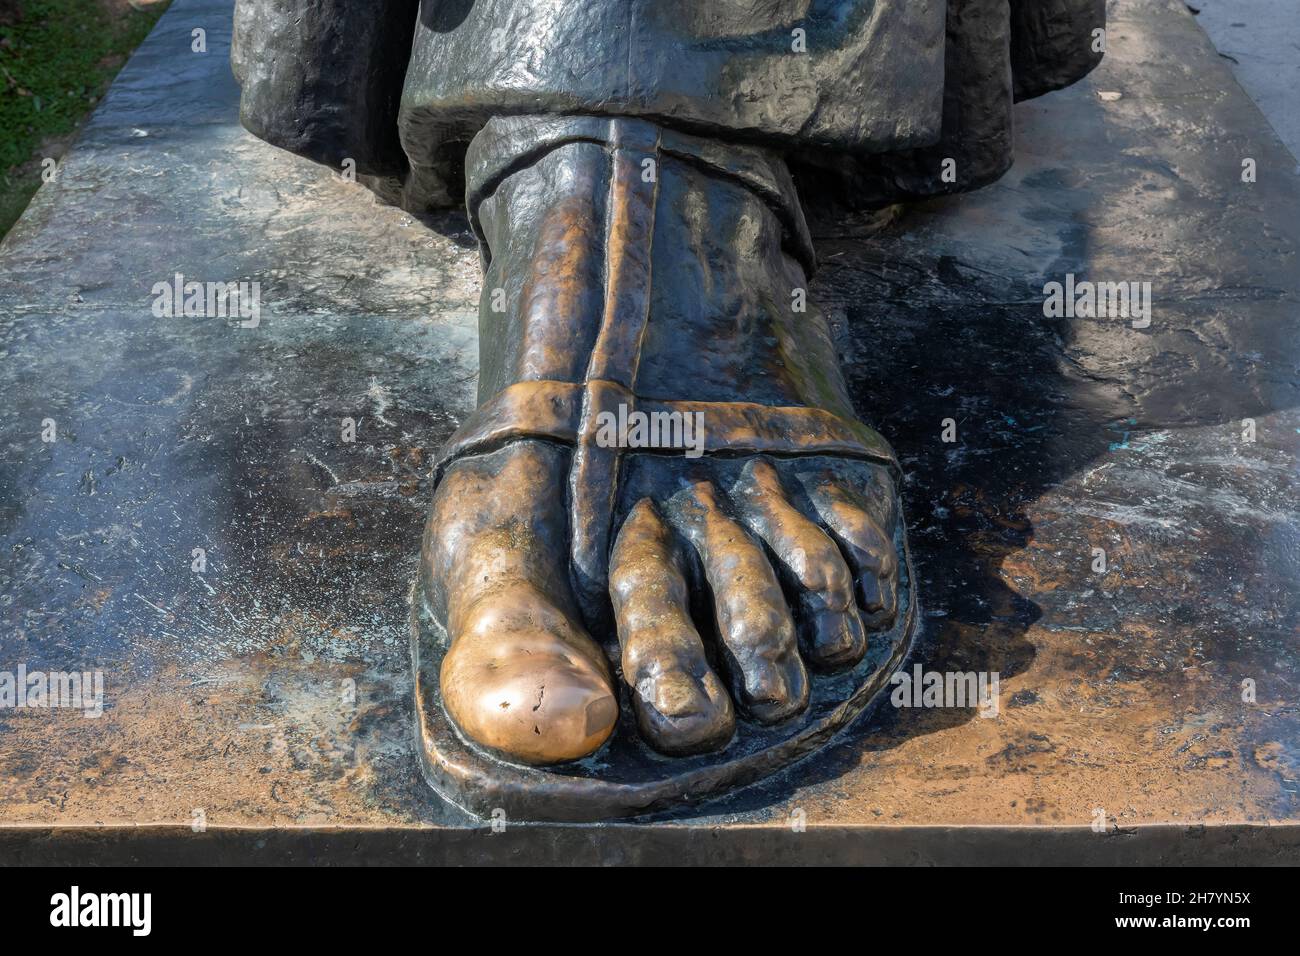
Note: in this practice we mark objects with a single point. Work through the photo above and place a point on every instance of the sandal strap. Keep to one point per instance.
(510, 143)
(552, 411)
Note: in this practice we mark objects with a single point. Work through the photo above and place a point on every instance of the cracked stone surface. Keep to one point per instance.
(270, 690)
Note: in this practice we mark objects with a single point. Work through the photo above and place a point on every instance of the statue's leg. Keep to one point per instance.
(747, 533)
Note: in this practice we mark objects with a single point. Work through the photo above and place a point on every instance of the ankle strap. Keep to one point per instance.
(508, 144)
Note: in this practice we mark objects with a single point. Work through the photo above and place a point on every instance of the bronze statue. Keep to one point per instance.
(664, 557)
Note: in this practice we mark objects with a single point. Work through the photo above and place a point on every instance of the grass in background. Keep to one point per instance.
(57, 58)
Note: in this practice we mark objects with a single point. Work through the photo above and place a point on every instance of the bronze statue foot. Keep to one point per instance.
(608, 622)
(662, 543)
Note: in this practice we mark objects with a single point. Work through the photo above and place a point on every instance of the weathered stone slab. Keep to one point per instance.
(271, 692)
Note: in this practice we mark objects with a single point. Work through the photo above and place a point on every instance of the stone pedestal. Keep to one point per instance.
(200, 532)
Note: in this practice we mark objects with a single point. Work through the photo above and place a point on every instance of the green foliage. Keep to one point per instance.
(57, 58)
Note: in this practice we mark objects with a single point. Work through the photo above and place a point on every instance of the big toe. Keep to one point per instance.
(535, 689)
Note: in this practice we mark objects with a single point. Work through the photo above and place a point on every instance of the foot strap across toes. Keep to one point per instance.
(554, 411)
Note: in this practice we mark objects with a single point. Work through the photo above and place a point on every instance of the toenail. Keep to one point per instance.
(600, 714)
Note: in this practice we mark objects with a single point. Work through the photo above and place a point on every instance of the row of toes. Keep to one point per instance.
(762, 558)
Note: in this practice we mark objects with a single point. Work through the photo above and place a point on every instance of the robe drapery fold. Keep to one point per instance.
(864, 98)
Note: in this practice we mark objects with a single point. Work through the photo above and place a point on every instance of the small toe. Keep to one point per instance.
(834, 639)
(830, 631)
(869, 550)
(681, 706)
(753, 622)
